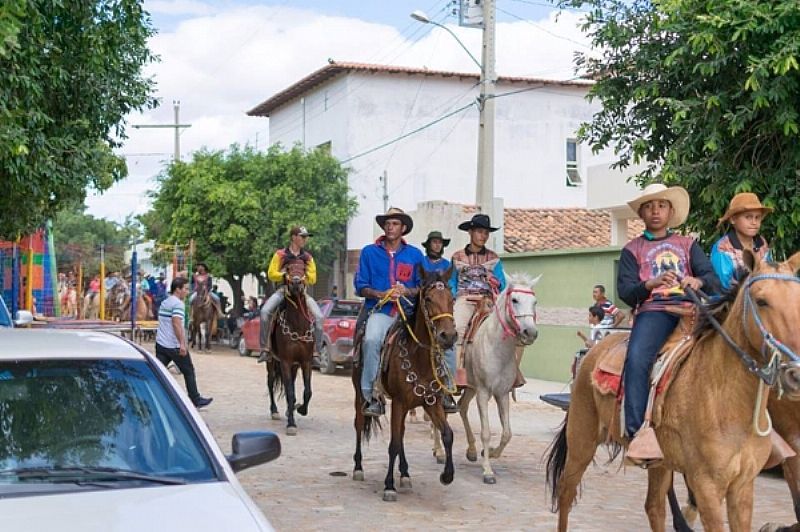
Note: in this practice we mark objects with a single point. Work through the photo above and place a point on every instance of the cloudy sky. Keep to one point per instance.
(220, 58)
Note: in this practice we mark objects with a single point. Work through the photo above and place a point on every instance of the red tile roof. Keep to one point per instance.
(545, 229)
(334, 68)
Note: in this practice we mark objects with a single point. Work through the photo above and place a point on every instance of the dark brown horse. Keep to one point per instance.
(204, 317)
(712, 425)
(414, 376)
(292, 348)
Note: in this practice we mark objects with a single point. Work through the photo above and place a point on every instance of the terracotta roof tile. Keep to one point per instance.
(545, 229)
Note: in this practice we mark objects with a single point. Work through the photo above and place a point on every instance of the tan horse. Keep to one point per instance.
(410, 381)
(713, 421)
(203, 322)
(91, 306)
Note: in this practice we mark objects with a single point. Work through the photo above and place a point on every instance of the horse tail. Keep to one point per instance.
(556, 462)
(277, 382)
(372, 425)
(679, 521)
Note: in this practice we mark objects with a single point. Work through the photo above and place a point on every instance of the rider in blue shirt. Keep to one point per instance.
(386, 277)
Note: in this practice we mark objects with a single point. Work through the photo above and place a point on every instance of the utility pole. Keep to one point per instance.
(176, 104)
(385, 180)
(484, 193)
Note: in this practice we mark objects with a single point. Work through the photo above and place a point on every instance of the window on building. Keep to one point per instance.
(573, 174)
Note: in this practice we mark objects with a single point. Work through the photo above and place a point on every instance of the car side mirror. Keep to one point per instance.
(253, 448)
(24, 317)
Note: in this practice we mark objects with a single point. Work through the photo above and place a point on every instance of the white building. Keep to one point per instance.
(354, 109)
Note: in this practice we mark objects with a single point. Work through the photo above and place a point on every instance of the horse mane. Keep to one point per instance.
(520, 279)
(720, 306)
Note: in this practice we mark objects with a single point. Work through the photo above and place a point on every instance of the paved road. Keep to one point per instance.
(309, 486)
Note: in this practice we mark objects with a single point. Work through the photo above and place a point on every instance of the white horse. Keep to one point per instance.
(491, 365)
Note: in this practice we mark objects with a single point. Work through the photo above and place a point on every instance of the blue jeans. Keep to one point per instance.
(377, 326)
(650, 331)
(450, 360)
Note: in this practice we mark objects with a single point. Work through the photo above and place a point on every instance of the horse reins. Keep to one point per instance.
(513, 329)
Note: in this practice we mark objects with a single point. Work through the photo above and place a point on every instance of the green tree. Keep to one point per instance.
(706, 94)
(237, 207)
(78, 237)
(69, 74)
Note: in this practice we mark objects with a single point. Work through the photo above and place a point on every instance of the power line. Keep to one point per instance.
(556, 35)
(551, 5)
(405, 135)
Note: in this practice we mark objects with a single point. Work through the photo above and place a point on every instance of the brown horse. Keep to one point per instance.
(414, 376)
(713, 413)
(204, 317)
(292, 348)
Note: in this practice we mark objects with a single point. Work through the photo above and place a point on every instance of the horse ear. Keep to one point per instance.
(421, 272)
(750, 259)
(536, 280)
(794, 262)
(448, 273)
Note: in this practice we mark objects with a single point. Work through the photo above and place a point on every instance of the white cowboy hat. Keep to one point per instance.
(677, 196)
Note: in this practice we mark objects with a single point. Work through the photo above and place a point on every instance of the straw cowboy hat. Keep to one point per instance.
(436, 234)
(396, 214)
(478, 221)
(676, 196)
(743, 202)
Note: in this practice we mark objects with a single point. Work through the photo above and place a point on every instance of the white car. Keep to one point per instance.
(96, 436)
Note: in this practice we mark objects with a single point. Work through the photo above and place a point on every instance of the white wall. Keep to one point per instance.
(439, 163)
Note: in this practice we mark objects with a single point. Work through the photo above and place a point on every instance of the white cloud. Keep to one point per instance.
(221, 64)
(178, 7)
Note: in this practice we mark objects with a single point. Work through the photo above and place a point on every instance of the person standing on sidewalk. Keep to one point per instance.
(171, 340)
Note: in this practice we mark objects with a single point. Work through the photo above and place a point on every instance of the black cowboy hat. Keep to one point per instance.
(436, 234)
(478, 221)
(396, 214)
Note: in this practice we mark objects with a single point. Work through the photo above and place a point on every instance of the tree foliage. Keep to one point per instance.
(238, 205)
(69, 74)
(78, 237)
(706, 94)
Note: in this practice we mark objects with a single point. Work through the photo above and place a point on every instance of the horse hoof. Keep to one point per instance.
(489, 479)
(472, 455)
(275, 415)
(439, 459)
(446, 478)
(389, 496)
(291, 431)
(405, 483)
(772, 527)
(358, 475)
(494, 453)
(302, 410)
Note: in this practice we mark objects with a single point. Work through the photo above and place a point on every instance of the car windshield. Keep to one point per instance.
(105, 419)
(343, 309)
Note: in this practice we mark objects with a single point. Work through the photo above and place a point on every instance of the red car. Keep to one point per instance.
(338, 328)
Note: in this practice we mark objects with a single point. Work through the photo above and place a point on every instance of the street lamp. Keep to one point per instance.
(484, 188)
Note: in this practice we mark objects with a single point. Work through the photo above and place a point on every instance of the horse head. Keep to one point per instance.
(516, 308)
(295, 277)
(767, 311)
(436, 305)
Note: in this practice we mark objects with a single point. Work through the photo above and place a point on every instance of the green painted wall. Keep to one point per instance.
(567, 275)
(550, 356)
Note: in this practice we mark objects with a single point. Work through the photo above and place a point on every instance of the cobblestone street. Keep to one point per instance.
(310, 487)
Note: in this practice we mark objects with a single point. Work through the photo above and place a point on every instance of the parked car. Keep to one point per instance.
(337, 344)
(339, 328)
(97, 436)
(23, 317)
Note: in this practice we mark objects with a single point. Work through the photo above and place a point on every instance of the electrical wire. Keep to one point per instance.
(556, 35)
(551, 5)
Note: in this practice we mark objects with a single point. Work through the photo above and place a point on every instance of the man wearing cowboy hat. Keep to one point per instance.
(276, 272)
(654, 270)
(434, 261)
(744, 214)
(477, 274)
(387, 268)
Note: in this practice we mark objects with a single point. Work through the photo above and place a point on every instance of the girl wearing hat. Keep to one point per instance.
(745, 214)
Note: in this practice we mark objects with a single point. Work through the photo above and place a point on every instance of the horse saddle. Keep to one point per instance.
(483, 308)
(607, 375)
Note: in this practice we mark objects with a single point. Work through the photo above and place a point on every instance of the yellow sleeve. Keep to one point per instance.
(311, 272)
(274, 272)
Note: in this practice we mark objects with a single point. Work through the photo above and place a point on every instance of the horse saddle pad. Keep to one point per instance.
(607, 375)
(482, 311)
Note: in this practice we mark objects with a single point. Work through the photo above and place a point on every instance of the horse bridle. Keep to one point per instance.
(513, 329)
(769, 372)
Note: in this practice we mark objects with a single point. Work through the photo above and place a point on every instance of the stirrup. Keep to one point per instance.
(644, 450)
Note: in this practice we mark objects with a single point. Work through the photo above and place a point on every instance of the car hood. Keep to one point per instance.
(191, 507)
